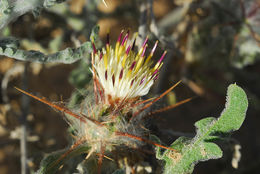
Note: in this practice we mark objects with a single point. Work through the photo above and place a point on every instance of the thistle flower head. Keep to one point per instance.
(123, 73)
(120, 75)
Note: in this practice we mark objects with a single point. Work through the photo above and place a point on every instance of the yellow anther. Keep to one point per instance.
(121, 50)
(116, 49)
(156, 66)
(105, 60)
(124, 60)
(139, 63)
(129, 73)
(108, 48)
(139, 53)
(160, 65)
(148, 59)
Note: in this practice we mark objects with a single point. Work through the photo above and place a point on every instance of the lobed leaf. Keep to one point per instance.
(202, 146)
(10, 47)
(67, 56)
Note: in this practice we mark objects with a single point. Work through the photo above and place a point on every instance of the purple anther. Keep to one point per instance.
(132, 82)
(145, 41)
(113, 79)
(142, 81)
(101, 55)
(94, 48)
(162, 57)
(120, 36)
(154, 47)
(125, 38)
(144, 51)
(107, 39)
(121, 74)
(128, 50)
(154, 73)
(133, 65)
(106, 75)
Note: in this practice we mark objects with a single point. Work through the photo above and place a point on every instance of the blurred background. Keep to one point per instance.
(210, 44)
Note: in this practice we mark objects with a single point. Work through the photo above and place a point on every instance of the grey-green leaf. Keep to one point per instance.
(202, 146)
(9, 48)
(11, 10)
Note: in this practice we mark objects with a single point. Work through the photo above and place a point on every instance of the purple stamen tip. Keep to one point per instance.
(106, 75)
(94, 48)
(128, 50)
(142, 81)
(162, 57)
(125, 39)
(113, 79)
(144, 51)
(101, 55)
(121, 74)
(133, 65)
(145, 41)
(120, 36)
(154, 47)
(128, 31)
(154, 73)
(132, 83)
(107, 38)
